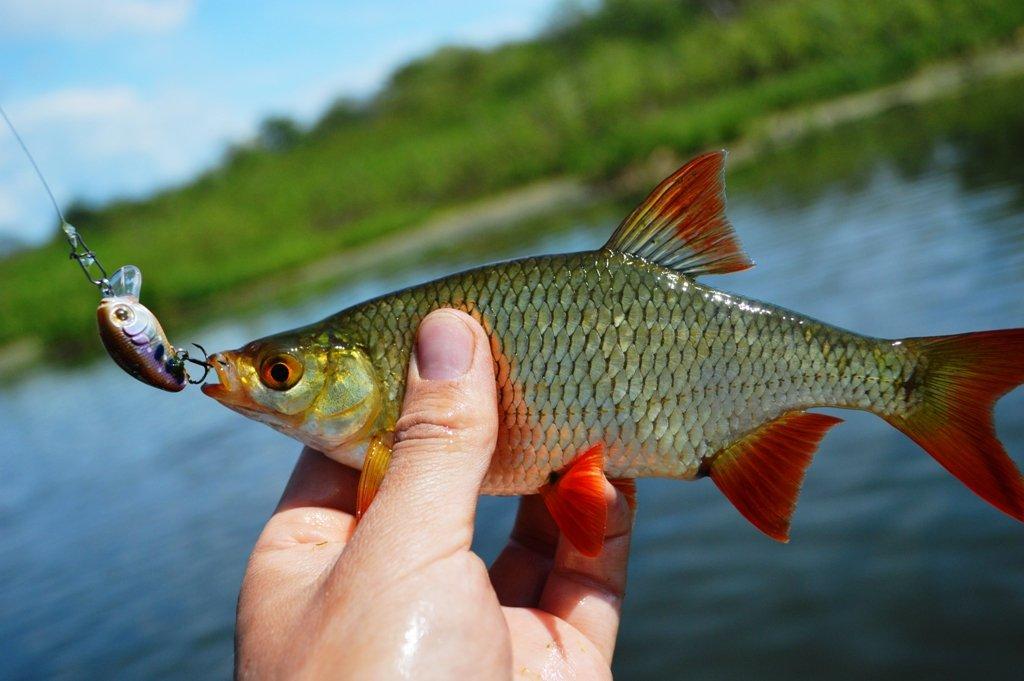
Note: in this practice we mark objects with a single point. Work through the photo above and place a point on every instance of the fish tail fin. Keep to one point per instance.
(960, 379)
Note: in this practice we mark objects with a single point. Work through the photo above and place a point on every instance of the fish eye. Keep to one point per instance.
(280, 372)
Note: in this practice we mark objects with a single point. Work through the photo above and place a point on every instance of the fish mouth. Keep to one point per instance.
(227, 389)
(230, 391)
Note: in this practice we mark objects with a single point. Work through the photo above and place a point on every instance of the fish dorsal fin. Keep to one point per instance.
(761, 473)
(682, 224)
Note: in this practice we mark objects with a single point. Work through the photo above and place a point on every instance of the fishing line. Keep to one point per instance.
(35, 166)
(130, 332)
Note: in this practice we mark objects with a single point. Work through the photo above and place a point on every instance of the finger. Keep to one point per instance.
(587, 592)
(320, 481)
(316, 506)
(301, 541)
(443, 444)
(522, 569)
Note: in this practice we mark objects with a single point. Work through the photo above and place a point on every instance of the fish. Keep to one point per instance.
(619, 363)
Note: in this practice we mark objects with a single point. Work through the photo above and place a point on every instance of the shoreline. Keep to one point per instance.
(942, 80)
(547, 197)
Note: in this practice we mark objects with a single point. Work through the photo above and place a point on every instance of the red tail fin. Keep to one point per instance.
(961, 378)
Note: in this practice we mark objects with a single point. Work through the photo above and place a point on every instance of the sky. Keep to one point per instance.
(116, 98)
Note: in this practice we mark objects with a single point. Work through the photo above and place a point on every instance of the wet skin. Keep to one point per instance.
(401, 595)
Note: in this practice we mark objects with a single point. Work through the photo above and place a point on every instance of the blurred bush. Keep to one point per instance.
(598, 90)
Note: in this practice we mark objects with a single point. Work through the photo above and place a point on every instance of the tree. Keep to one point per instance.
(278, 133)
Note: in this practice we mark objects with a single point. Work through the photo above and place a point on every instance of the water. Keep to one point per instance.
(126, 515)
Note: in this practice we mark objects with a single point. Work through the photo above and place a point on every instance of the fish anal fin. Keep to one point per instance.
(761, 473)
(681, 225)
(375, 465)
(575, 499)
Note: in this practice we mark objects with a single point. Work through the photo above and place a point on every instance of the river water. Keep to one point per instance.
(126, 515)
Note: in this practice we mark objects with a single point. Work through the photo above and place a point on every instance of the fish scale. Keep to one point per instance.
(732, 363)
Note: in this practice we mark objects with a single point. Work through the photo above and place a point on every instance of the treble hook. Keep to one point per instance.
(207, 367)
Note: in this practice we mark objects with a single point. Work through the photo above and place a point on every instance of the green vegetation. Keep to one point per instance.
(597, 92)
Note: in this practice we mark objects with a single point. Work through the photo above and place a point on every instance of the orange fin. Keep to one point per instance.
(375, 465)
(627, 486)
(961, 377)
(761, 473)
(575, 499)
(682, 224)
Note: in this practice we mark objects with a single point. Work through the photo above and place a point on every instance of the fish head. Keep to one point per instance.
(321, 391)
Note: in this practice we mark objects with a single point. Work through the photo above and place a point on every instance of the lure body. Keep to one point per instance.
(619, 360)
(133, 336)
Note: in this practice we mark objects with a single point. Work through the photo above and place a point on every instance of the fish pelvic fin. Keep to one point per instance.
(681, 225)
(761, 473)
(575, 499)
(375, 465)
(961, 378)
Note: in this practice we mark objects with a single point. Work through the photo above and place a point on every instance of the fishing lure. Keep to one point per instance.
(131, 333)
(134, 338)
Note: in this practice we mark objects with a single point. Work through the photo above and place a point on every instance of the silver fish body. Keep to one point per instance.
(604, 347)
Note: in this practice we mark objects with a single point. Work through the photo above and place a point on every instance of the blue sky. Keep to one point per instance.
(119, 97)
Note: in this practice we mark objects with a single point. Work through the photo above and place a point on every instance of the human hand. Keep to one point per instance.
(401, 595)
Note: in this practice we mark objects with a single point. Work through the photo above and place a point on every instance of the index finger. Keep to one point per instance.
(320, 481)
(522, 568)
(587, 591)
(303, 537)
(317, 504)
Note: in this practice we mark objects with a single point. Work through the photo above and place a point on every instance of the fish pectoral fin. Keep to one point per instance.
(575, 499)
(681, 225)
(375, 465)
(761, 473)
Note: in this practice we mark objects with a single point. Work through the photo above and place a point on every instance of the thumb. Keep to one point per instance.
(444, 440)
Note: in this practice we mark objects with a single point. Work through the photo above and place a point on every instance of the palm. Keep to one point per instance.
(543, 608)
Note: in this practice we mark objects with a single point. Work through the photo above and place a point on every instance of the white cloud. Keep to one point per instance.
(99, 142)
(76, 103)
(25, 212)
(8, 206)
(103, 142)
(91, 18)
